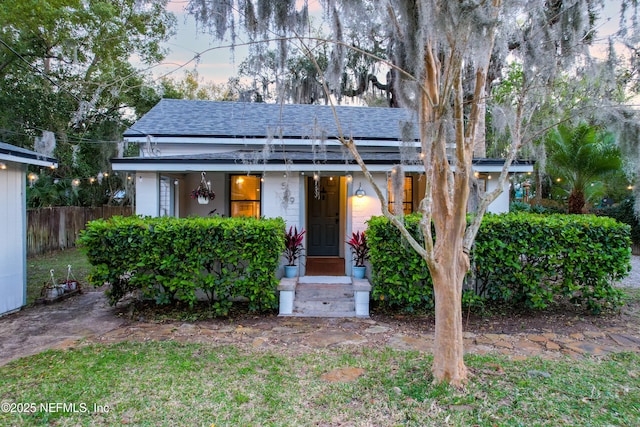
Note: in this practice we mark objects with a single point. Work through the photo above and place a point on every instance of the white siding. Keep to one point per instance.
(147, 194)
(501, 204)
(13, 243)
(273, 191)
(363, 208)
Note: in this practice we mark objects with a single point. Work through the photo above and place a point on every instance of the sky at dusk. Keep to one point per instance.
(217, 64)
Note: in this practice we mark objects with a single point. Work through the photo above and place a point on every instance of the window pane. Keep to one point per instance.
(407, 201)
(245, 195)
(250, 209)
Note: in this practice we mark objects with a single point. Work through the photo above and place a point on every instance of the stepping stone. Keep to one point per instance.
(584, 347)
(343, 375)
(376, 329)
(552, 346)
(537, 338)
(332, 338)
(625, 340)
(401, 342)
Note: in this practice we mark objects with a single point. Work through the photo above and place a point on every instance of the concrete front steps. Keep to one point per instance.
(324, 296)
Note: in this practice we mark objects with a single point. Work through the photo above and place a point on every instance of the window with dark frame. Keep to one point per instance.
(245, 196)
(407, 200)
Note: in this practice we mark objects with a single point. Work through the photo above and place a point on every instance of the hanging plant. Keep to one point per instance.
(203, 193)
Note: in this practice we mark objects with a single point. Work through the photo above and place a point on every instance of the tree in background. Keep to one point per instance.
(578, 157)
(191, 86)
(65, 72)
(300, 80)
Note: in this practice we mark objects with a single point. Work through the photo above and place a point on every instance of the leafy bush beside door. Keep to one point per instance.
(519, 260)
(169, 259)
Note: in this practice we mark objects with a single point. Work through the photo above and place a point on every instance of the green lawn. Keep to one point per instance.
(169, 383)
(38, 270)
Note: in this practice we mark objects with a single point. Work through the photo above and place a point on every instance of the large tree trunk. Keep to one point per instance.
(448, 361)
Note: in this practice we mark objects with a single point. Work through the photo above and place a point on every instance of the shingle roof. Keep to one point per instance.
(173, 117)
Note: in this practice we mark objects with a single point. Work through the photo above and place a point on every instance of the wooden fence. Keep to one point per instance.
(51, 229)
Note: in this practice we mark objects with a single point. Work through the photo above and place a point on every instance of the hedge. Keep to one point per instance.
(625, 213)
(519, 260)
(170, 259)
(539, 260)
(399, 275)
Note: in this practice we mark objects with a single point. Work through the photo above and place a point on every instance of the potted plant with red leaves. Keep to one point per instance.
(292, 250)
(360, 252)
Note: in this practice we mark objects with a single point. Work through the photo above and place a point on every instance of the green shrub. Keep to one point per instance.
(538, 260)
(401, 278)
(519, 260)
(624, 213)
(548, 209)
(169, 259)
(519, 207)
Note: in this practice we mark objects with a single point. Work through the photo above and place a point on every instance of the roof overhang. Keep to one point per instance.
(10, 153)
(242, 161)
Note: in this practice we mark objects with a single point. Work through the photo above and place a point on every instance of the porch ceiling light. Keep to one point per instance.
(360, 192)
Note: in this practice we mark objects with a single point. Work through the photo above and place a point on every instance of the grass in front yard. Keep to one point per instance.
(169, 383)
(38, 270)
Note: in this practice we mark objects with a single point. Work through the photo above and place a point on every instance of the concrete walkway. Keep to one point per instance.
(87, 318)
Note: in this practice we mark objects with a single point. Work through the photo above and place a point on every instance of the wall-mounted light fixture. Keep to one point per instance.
(360, 192)
(349, 177)
(3, 165)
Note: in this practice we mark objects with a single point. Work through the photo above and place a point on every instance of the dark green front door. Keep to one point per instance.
(323, 217)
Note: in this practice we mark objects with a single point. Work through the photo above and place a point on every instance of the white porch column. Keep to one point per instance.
(361, 291)
(287, 289)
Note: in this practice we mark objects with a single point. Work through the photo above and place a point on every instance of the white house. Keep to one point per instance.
(281, 160)
(13, 223)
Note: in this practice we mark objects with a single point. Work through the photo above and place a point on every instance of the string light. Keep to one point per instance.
(75, 182)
